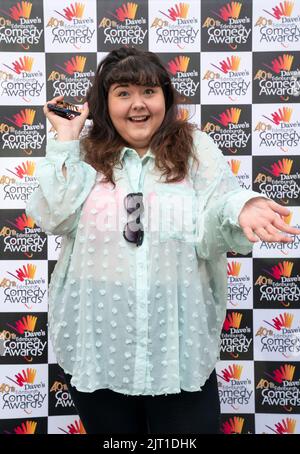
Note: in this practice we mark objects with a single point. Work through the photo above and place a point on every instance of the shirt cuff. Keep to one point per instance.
(69, 149)
(234, 206)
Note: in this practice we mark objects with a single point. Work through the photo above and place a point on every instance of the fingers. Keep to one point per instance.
(281, 210)
(281, 225)
(264, 235)
(250, 234)
(84, 109)
(271, 235)
(277, 235)
(267, 233)
(52, 101)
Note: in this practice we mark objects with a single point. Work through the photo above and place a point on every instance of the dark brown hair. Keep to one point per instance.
(172, 143)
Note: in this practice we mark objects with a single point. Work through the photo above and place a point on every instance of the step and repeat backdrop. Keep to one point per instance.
(237, 68)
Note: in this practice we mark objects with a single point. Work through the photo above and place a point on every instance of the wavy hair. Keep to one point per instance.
(172, 142)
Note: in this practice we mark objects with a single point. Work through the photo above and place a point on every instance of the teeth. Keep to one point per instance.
(138, 118)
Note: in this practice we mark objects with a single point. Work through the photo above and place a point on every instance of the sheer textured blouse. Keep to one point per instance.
(139, 320)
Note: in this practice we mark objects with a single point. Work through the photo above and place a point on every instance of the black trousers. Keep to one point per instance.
(110, 412)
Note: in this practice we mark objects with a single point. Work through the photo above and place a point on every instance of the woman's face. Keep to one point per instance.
(136, 112)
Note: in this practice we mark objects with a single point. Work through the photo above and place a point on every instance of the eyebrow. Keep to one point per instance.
(118, 86)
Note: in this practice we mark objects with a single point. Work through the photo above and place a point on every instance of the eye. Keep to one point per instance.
(122, 93)
(149, 91)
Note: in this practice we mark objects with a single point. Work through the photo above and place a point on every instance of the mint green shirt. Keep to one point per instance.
(139, 320)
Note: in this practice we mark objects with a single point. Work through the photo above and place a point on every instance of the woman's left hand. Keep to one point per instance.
(261, 218)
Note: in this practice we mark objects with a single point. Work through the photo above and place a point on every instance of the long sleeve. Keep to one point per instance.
(220, 200)
(56, 203)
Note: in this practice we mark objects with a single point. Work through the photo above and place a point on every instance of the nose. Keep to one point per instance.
(138, 102)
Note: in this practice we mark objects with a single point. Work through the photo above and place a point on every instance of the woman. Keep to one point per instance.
(147, 208)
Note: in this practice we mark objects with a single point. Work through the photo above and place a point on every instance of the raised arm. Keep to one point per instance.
(220, 201)
(56, 204)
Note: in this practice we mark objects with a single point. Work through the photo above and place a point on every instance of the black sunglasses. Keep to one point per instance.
(134, 230)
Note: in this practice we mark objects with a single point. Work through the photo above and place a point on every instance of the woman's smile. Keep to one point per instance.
(141, 119)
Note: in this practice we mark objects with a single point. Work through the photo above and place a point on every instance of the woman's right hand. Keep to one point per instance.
(66, 129)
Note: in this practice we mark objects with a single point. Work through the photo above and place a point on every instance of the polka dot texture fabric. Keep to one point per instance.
(139, 320)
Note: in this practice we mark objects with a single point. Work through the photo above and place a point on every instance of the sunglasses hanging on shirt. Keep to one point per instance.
(134, 230)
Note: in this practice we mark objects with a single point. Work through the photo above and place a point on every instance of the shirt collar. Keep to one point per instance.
(126, 150)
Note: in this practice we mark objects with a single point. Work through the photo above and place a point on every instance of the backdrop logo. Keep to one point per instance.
(62, 396)
(231, 373)
(283, 269)
(276, 284)
(282, 10)
(179, 28)
(26, 428)
(282, 321)
(21, 29)
(26, 395)
(280, 130)
(26, 324)
(280, 80)
(234, 165)
(229, 127)
(229, 117)
(128, 26)
(22, 130)
(183, 114)
(19, 10)
(278, 180)
(23, 65)
(281, 167)
(281, 63)
(238, 285)
(72, 26)
(74, 66)
(233, 389)
(231, 64)
(22, 184)
(227, 80)
(24, 117)
(72, 76)
(25, 378)
(244, 177)
(179, 11)
(23, 238)
(75, 428)
(75, 10)
(281, 116)
(285, 426)
(232, 320)
(279, 26)
(184, 80)
(284, 374)
(226, 27)
(24, 223)
(126, 11)
(25, 169)
(230, 11)
(187, 112)
(179, 65)
(23, 287)
(233, 425)
(21, 80)
(236, 338)
(283, 338)
(25, 341)
(282, 392)
(27, 272)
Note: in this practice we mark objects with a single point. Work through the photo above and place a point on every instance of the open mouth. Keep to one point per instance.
(139, 119)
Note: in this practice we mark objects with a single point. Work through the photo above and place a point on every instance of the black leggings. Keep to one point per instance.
(107, 411)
